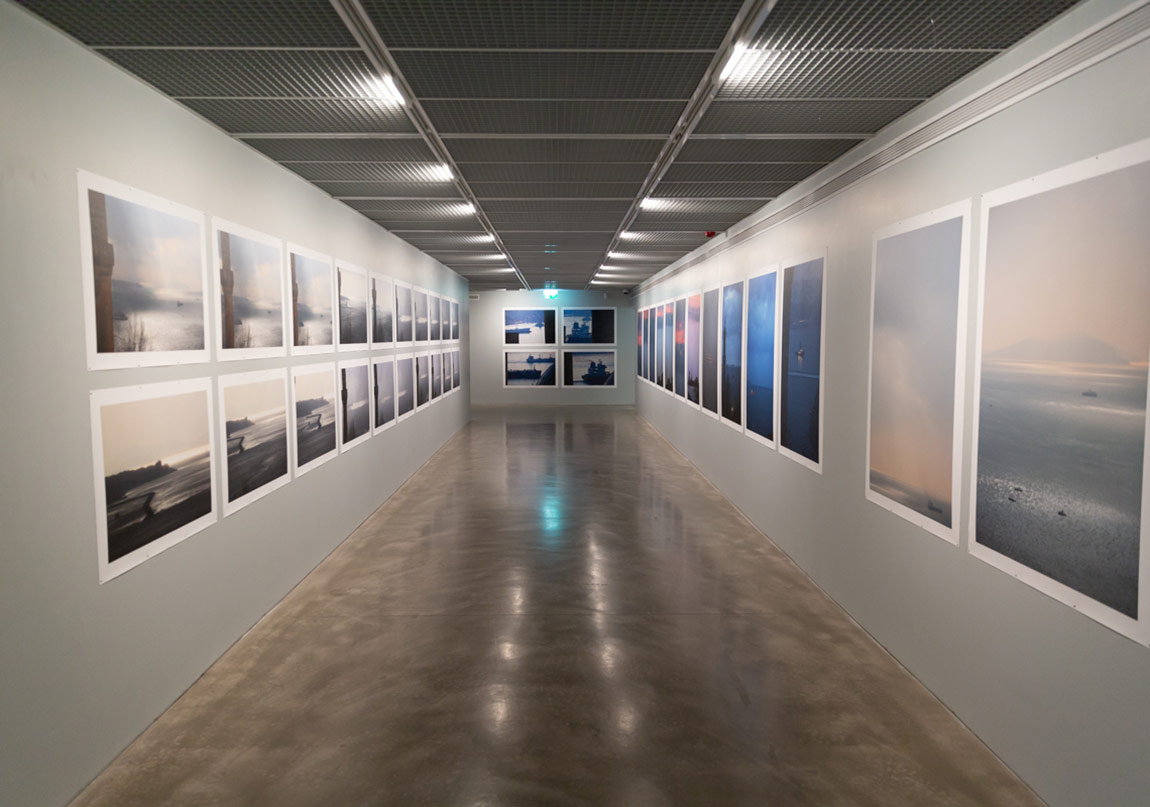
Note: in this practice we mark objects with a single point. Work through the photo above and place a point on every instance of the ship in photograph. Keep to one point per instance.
(529, 326)
(589, 368)
(529, 369)
(587, 326)
(315, 396)
(255, 428)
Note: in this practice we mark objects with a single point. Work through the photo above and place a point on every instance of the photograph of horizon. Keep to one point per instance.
(659, 316)
(404, 326)
(436, 375)
(800, 374)
(445, 319)
(640, 320)
(404, 385)
(383, 378)
(311, 281)
(589, 368)
(529, 326)
(694, 314)
(1062, 405)
(710, 367)
(434, 334)
(355, 400)
(914, 343)
(422, 379)
(761, 293)
(448, 374)
(454, 321)
(681, 348)
(529, 368)
(352, 286)
(455, 369)
(249, 274)
(419, 317)
(314, 395)
(649, 363)
(382, 305)
(668, 346)
(586, 326)
(731, 340)
(254, 411)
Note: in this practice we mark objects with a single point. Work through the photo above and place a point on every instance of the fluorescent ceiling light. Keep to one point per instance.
(484, 238)
(612, 282)
(628, 235)
(440, 173)
(465, 209)
(651, 203)
(385, 90)
(732, 61)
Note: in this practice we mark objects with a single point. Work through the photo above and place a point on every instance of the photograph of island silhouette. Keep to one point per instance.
(311, 283)
(404, 386)
(529, 326)
(587, 368)
(710, 368)
(668, 346)
(588, 326)
(383, 378)
(914, 342)
(355, 402)
(694, 313)
(419, 315)
(681, 348)
(382, 305)
(254, 409)
(249, 275)
(351, 288)
(404, 328)
(1063, 382)
(314, 393)
(731, 340)
(422, 379)
(156, 454)
(522, 368)
(761, 293)
(800, 372)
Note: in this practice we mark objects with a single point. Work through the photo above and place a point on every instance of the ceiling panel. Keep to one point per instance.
(436, 190)
(736, 151)
(411, 172)
(343, 149)
(615, 150)
(300, 116)
(583, 190)
(743, 190)
(553, 117)
(791, 117)
(680, 172)
(548, 172)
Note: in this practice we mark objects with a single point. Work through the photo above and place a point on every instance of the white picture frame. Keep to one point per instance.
(312, 462)
(318, 348)
(342, 373)
(219, 227)
(228, 381)
(350, 273)
(784, 267)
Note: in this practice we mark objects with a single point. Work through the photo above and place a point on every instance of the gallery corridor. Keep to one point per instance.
(557, 609)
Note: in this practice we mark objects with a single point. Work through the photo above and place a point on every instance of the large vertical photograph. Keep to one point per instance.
(694, 320)
(588, 326)
(681, 347)
(454, 321)
(422, 379)
(436, 375)
(404, 315)
(668, 347)
(529, 326)
(529, 368)
(659, 346)
(351, 284)
(355, 415)
(404, 386)
(760, 391)
(448, 375)
(1065, 342)
(800, 370)
(382, 304)
(455, 369)
(649, 338)
(434, 332)
(310, 278)
(420, 316)
(383, 393)
(254, 419)
(314, 402)
(710, 361)
(445, 319)
(639, 350)
(145, 273)
(914, 442)
(155, 477)
(731, 342)
(249, 279)
(589, 368)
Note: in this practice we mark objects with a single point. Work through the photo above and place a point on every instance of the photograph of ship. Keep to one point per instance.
(668, 346)
(382, 303)
(455, 369)
(436, 375)
(761, 292)
(433, 332)
(587, 368)
(311, 285)
(694, 310)
(419, 298)
(355, 402)
(711, 351)
(445, 319)
(314, 397)
(659, 345)
(523, 368)
(154, 454)
(383, 380)
(404, 386)
(914, 342)
(422, 379)
(249, 276)
(404, 331)
(801, 367)
(254, 409)
(351, 291)
(454, 321)
(731, 339)
(681, 348)
(1062, 406)
(588, 326)
(529, 326)
(145, 275)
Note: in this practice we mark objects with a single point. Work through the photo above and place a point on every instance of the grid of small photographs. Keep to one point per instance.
(552, 348)
(161, 287)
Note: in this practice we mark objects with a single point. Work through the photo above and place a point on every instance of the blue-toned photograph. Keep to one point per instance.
(669, 346)
(588, 326)
(529, 368)
(404, 386)
(529, 326)
(680, 347)
(761, 292)
(659, 345)
(710, 369)
(732, 343)
(585, 368)
(639, 345)
(801, 370)
(649, 365)
(694, 309)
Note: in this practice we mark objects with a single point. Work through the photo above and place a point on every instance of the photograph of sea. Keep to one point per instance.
(382, 304)
(641, 320)
(801, 350)
(523, 368)
(681, 348)
(419, 298)
(731, 380)
(454, 321)
(311, 281)
(147, 273)
(455, 369)
(156, 466)
(404, 385)
(588, 326)
(1062, 406)
(914, 341)
(711, 351)
(433, 331)
(351, 291)
(694, 310)
(448, 374)
(422, 379)
(529, 326)
(659, 346)
(761, 292)
(355, 400)
(669, 347)
(587, 368)
(383, 379)
(255, 430)
(445, 319)
(436, 375)
(404, 331)
(314, 395)
(250, 277)
(649, 339)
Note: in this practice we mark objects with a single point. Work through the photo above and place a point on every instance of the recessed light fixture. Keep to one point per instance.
(440, 173)
(732, 61)
(465, 209)
(385, 90)
(627, 235)
(651, 203)
(484, 238)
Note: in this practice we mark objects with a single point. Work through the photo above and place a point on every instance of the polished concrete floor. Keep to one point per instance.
(557, 610)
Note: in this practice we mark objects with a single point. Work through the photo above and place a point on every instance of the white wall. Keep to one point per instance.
(486, 338)
(1062, 699)
(84, 667)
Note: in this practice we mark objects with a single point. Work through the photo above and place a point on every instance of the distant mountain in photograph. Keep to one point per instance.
(1074, 349)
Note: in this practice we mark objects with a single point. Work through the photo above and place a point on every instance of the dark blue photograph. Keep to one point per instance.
(529, 326)
(588, 326)
(802, 358)
(658, 345)
(761, 292)
(639, 345)
(680, 347)
(668, 346)
(732, 341)
(649, 365)
(711, 351)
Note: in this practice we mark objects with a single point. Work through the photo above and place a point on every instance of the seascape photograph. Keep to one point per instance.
(641, 319)
(658, 346)
(436, 375)
(588, 326)
(587, 368)
(155, 452)
(694, 311)
(529, 326)
(433, 332)
(681, 348)
(311, 284)
(668, 346)
(448, 375)
(523, 368)
(454, 321)
(419, 317)
(314, 395)
(382, 305)
(445, 319)
(710, 367)
(249, 276)
(404, 386)
(455, 369)
(800, 371)
(422, 379)
(355, 402)
(1062, 404)
(761, 293)
(254, 409)
(731, 340)
(649, 340)
(351, 288)
(404, 330)
(383, 380)
(914, 343)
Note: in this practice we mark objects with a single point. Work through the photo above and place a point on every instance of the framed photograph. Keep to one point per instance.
(639, 349)
(422, 380)
(680, 358)
(351, 283)
(803, 302)
(422, 327)
(312, 283)
(144, 276)
(588, 326)
(668, 347)
(454, 320)
(154, 469)
(315, 393)
(529, 368)
(659, 328)
(383, 393)
(404, 315)
(919, 274)
(528, 326)
(355, 415)
(589, 368)
(445, 319)
(434, 333)
(436, 375)
(761, 356)
(710, 361)
(248, 277)
(1062, 478)
(448, 375)
(649, 363)
(455, 371)
(731, 344)
(382, 311)
(404, 386)
(694, 346)
(254, 435)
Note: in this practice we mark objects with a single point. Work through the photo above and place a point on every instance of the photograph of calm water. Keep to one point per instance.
(1062, 408)
(404, 328)
(255, 425)
(315, 396)
(694, 311)
(433, 330)
(419, 299)
(352, 287)
(761, 293)
(445, 319)
(659, 345)
(668, 347)
(382, 302)
(526, 368)
(312, 319)
(355, 398)
(681, 348)
(529, 326)
(588, 368)
(422, 380)
(587, 326)
(732, 345)
(384, 394)
(455, 369)
(649, 364)
(454, 320)
(801, 349)
(641, 321)
(436, 375)
(404, 386)
(251, 293)
(711, 351)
